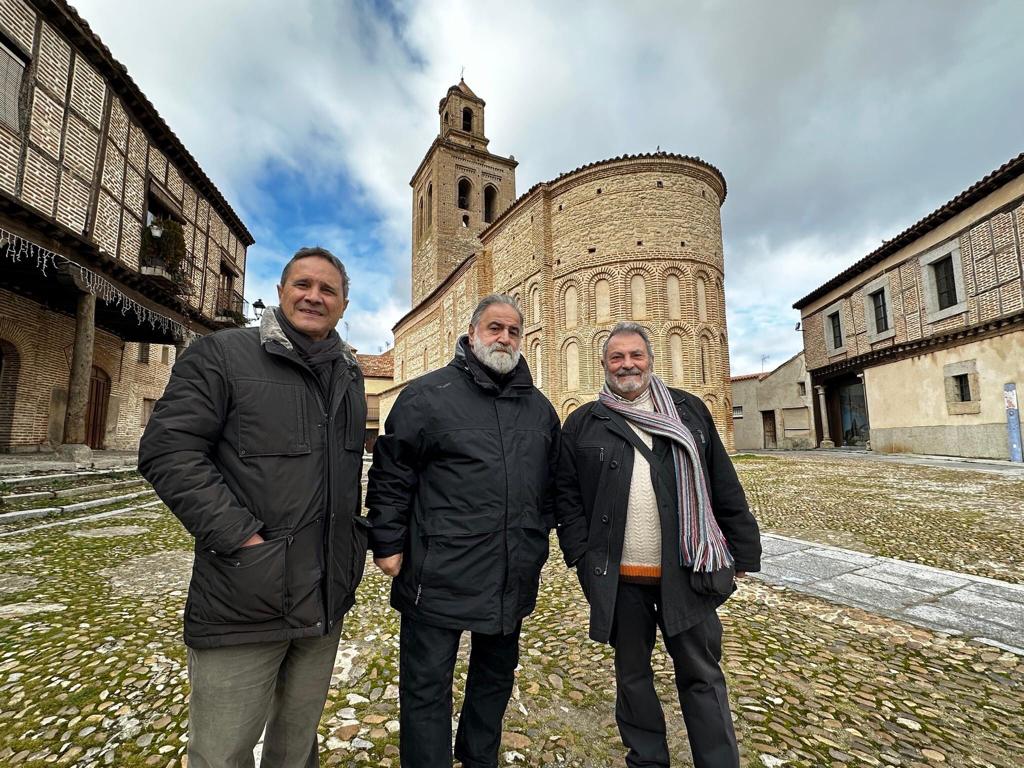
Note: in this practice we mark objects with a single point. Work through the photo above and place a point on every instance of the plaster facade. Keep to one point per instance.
(774, 410)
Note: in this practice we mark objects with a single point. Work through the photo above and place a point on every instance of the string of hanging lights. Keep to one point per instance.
(20, 249)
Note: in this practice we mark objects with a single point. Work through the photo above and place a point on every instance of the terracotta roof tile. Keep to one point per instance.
(377, 366)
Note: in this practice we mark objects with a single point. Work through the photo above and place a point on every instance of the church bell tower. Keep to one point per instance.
(459, 189)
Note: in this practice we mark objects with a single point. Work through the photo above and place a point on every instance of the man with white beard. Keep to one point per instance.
(461, 500)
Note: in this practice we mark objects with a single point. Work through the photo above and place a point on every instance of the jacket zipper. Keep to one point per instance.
(419, 576)
(611, 524)
(327, 509)
(504, 464)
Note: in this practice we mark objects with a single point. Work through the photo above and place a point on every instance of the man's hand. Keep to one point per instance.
(253, 540)
(741, 574)
(390, 565)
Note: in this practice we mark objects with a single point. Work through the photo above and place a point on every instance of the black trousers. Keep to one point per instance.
(426, 667)
(696, 654)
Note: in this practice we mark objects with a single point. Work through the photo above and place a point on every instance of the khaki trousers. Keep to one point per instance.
(238, 690)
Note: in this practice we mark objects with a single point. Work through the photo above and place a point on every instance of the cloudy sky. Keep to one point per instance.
(836, 124)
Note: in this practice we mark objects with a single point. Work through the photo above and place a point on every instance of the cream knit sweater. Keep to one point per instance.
(641, 547)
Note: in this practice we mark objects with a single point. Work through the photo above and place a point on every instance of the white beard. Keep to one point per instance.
(627, 386)
(495, 356)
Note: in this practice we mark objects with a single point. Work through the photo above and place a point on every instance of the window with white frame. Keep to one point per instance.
(942, 282)
(878, 314)
(737, 411)
(835, 329)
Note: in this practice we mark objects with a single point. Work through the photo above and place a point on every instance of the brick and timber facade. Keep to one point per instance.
(94, 304)
(636, 237)
(911, 349)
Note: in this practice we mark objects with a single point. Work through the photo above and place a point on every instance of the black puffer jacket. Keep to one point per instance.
(594, 477)
(240, 444)
(462, 484)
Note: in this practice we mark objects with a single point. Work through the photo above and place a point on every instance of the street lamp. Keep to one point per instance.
(257, 307)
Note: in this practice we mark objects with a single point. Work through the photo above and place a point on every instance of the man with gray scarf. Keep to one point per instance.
(652, 516)
(256, 446)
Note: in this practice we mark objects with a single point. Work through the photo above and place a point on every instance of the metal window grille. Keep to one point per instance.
(945, 282)
(143, 353)
(11, 71)
(881, 316)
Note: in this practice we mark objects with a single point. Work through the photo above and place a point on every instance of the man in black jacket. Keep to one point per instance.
(256, 446)
(461, 499)
(653, 517)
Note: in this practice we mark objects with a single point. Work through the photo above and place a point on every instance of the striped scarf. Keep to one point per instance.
(702, 545)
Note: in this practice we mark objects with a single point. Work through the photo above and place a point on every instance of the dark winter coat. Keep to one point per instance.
(594, 475)
(462, 484)
(241, 443)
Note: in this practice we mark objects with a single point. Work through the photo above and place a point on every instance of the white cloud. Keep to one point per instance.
(835, 124)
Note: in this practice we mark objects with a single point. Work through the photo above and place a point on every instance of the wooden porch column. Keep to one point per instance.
(81, 371)
(826, 438)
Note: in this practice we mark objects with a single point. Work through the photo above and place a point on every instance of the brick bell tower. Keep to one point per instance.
(459, 188)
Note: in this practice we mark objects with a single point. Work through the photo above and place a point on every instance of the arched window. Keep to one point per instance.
(675, 351)
(599, 341)
(490, 199)
(572, 366)
(702, 300)
(674, 304)
(419, 220)
(535, 303)
(467, 119)
(603, 300)
(569, 407)
(538, 375)
(426, 360)
(465, 190)
(430, 205)
(10, 368)
(638, 297)
(571, 301)
(705, 360)
(446, 117)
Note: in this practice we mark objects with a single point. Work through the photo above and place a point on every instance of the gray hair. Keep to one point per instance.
(494, 298)
(323, 253)
(628, 327)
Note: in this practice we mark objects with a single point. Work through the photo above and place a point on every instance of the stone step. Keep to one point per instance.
(43, 478)
(29, 514)
(64, 493)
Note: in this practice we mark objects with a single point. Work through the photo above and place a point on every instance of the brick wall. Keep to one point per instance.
(79, 141)
(990, 251)
(654, 218)
(36, 345)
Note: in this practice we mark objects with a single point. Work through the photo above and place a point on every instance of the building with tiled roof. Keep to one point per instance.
(116, 248)
(635, 237)
(773, 409)
(378, 376)
(919, 346)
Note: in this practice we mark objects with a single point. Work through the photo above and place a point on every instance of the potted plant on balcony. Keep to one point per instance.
(163, 246)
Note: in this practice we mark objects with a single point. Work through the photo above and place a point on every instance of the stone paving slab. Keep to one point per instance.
(974, 606)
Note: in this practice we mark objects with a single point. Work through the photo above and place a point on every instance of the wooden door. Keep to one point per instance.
(768, 421)
(96, 412)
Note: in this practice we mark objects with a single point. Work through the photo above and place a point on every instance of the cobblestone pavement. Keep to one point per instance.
(92, 668)
(954, 519)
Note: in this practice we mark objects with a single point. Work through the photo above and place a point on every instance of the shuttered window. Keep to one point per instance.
(12, 68)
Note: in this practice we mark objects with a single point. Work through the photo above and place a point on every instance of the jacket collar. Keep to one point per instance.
(272, 333)
(520, 381)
